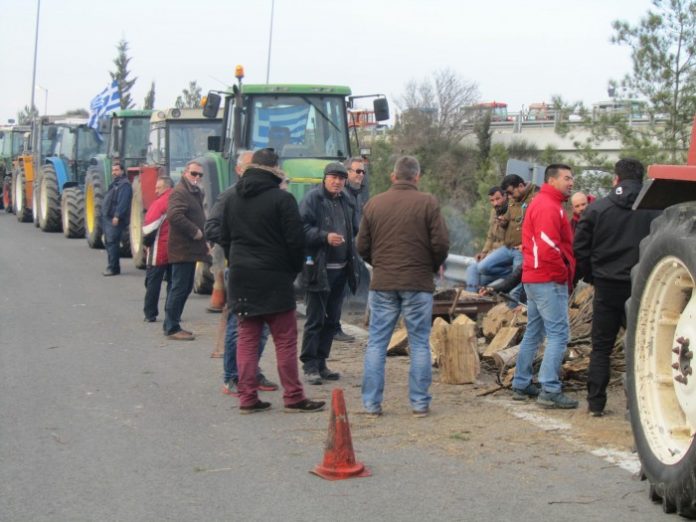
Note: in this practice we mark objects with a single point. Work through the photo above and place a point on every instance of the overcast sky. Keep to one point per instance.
(516, 52)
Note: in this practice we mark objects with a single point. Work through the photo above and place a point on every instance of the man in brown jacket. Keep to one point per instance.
(186, 246)
(404, 237)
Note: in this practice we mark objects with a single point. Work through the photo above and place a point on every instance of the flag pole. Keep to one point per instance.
(270, 41)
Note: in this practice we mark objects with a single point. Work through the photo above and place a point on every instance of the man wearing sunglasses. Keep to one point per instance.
(187, 246)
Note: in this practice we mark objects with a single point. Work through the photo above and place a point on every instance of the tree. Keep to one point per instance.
(190, 98)
(78, 113)
(26, 115)
(149, 103)
(121, 75)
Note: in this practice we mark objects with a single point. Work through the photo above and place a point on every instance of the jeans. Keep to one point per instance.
(608, 315)
(153, 284)
(283, 327)
(229, 361)
(547, 313)
(385, 308)
(475, 279)
(112, 244)
(323, 319)
(179, 289)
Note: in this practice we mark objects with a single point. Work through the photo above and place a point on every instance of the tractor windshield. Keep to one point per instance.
(135, 137)
(187, 140)
(17, 143)
(298, 126)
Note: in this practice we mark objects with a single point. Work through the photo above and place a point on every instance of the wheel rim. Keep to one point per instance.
(136, 229)
(665, 386)
(34, 206)
(43, 198)
(19, 194)
(89, 207)
(66, 216)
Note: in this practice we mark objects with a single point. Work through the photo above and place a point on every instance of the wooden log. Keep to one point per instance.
(398, 345)
(506, 337)
(459, 363)
(497, 317)
(438, 339)
(506, 358)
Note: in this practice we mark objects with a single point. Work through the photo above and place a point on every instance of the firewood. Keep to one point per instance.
(438, 339)
(398, 345)
(505, 337)
(459, 363)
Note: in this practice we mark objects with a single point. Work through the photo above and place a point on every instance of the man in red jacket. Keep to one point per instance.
(548, 268)
(156, 234)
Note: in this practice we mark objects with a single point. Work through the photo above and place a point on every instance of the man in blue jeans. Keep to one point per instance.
(547, 273)
(116, 216)
(404, 237)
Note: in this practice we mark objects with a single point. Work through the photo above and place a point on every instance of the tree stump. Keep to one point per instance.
(438, 339)
(459, 363)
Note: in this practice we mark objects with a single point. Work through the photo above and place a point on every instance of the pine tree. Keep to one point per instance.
(150, 98)
(121, 75)
(190, 98)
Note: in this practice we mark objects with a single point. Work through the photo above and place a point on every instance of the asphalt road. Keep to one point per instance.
(102, 419)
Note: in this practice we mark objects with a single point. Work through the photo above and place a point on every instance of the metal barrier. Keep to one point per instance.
(455, 267)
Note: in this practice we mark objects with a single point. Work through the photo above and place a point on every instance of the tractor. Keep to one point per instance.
(11, 146)
(126, 133)
(176, 137)
(661, 323)
(59, 201)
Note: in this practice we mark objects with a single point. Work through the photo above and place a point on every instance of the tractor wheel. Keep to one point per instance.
(20, 202)
(35, 208)
(7, 193)
(660, 385)
(49, 200)
(94, 194)
(136, 225)
(203, 279)
(72, 210)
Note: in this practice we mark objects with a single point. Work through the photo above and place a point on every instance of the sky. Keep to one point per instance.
(516, 52)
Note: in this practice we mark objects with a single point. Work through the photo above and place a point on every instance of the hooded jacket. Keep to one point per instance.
(262, 234)
(547, 240)
(186, 217)
(608, 235)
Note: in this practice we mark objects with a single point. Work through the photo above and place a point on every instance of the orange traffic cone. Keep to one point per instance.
(217, 299)
(339, 460)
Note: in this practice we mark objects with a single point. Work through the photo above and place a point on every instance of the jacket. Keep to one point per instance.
(156, 223)
(117, 201)
(547, 240)
(495, 235)
(515, 216)
(608, 235)
(213, 225)
(358, 198)
(186, 217)
(262, 234)
(317, 223)
(404, 237)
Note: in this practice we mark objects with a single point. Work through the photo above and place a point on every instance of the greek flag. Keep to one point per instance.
(106, 101)
(278, 126)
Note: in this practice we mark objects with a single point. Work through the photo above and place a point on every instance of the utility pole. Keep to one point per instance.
(36, 50)
(270, 42)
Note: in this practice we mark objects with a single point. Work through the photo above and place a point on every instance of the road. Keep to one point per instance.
(102, 418)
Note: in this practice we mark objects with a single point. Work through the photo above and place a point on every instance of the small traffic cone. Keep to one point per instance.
(339, 460)
(217, 299)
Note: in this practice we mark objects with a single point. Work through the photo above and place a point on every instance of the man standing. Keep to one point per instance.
(494, 239)
(116, 209)
(187, 246)
(262, 233)
(547, 274)
(579, 202)
(606, 248)
(405, 239)
(213, 229)
(156, 234)
(329, 226)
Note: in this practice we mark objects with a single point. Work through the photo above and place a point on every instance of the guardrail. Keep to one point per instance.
(455, 267)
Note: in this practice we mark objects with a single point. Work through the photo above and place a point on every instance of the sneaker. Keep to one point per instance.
(556, 400)
(313, 378)
(305, 406)
(532, 390)
(181, 335)
(230, 388)
(373, 414)
(255, 408)
(265, 384)
(343, 337)
(109, 273)
(149, 319)
(328, 375)
(419, 414)
(596, 413)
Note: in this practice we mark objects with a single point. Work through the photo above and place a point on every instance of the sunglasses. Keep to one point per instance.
(196, 174)
(358, 171)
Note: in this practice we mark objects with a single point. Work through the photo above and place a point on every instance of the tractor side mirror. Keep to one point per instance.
(52, 133)
(214, 143)
(381, 107)
(212, 105)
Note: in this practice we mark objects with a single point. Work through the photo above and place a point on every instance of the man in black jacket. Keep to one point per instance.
(606, 248)
(329, 224)
(116, 216)
(262, 233)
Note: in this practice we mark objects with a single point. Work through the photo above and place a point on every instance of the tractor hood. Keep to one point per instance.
(304, 170)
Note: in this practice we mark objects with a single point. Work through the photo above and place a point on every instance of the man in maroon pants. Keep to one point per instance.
(263, 236)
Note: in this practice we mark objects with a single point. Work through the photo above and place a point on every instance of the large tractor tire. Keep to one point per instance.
(7, 193)
(35, 207)
(72, 210)
(136, 225)
(49, 200)
(19, 200)
(660, 385)
(94, 194)
(203, 279)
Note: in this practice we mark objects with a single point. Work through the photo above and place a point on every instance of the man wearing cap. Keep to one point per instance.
(329, 221)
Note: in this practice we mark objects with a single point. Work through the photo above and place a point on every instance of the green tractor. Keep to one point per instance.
(126, 133)
(11, 146)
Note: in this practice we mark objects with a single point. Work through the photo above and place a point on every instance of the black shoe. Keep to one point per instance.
(108, 273)
(305, 406)
(531, 391)
(313, 378)
(328, 375)
(255, 408)
(343, 337)
(556, 400)
(149, 319)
